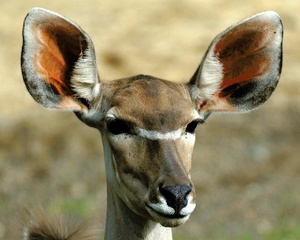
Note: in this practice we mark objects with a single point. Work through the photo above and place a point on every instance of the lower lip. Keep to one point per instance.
(175, 217)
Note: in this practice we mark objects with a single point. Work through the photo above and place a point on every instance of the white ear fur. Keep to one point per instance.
(210, 77)
(84, 80)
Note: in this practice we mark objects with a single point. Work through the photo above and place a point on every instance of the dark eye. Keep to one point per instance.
(191, 127)
(117, 126)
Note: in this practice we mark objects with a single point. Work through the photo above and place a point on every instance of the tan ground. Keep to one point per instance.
(246, 167)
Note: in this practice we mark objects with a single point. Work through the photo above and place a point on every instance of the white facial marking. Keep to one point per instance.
(162, 207)
(189, 208)
(155, 135)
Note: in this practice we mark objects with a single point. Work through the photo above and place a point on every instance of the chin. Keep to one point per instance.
(167, 220)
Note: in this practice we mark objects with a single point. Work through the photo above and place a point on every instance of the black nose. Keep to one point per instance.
(176, 196)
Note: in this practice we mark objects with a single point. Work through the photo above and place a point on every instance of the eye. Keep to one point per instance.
(117, 126)
(191, 127)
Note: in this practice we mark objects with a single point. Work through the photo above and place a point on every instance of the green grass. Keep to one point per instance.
(285, 233)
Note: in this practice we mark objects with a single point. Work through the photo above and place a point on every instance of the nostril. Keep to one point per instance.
(176, 195)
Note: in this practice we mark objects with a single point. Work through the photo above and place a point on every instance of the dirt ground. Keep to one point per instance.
(246, 167)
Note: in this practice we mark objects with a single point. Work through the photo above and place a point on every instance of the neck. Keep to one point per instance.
(121, 221)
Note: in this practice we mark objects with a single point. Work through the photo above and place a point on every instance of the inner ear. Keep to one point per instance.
(58, 62)
(242, 66)
(60, 48)
(241, 58)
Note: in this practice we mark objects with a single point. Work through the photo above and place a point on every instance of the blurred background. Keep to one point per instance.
(246, 168)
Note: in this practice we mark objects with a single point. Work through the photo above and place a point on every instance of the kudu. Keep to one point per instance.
(147, 124)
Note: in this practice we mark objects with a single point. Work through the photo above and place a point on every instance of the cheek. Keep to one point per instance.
(132, 183)
(130, 157)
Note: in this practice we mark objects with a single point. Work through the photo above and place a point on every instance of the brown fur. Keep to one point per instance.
(38, 226)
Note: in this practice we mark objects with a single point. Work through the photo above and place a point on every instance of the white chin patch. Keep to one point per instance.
(165, 214)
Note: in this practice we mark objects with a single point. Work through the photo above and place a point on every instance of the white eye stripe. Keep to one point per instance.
(155, 135)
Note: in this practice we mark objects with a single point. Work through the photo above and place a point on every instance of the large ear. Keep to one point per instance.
(58, 62)
(241, 67)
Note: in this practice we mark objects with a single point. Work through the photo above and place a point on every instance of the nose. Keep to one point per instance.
(176, 196)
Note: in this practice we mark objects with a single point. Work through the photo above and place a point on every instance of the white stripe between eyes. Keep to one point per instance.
(154, 135)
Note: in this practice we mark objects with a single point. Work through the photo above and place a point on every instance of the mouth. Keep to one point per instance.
(167, 219)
